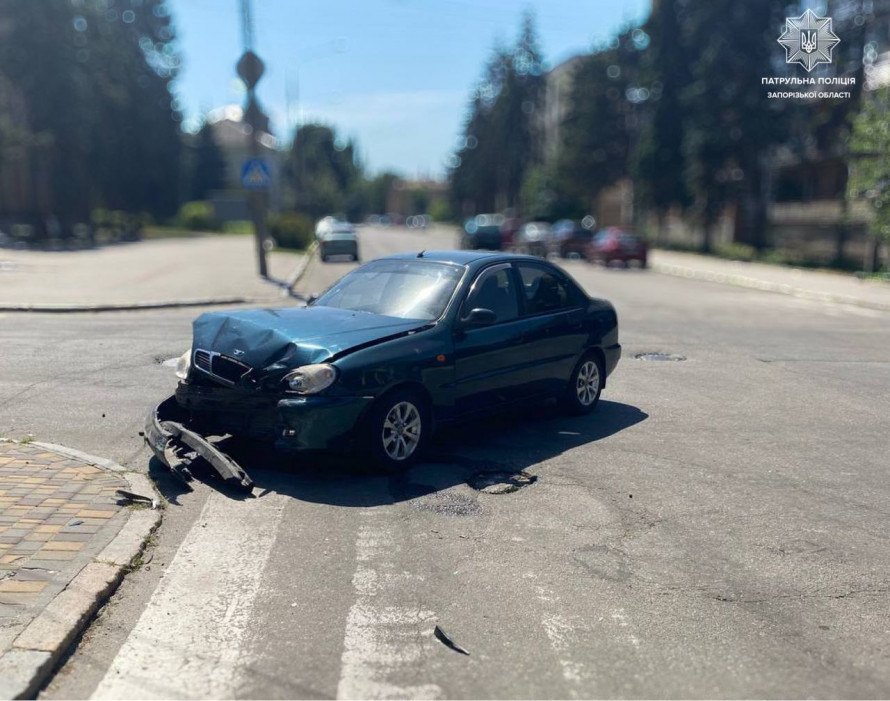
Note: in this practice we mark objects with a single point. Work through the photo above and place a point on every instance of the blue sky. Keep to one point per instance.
(394, 74)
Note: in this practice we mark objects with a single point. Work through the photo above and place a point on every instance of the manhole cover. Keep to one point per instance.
(501, 482)
(660, 356)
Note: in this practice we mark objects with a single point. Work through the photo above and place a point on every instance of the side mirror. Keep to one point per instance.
(480, 317)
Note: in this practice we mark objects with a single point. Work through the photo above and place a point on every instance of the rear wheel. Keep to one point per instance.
(397, 430)
(585, 385)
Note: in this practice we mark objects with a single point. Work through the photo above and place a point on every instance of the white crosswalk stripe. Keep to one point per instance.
(187, 643)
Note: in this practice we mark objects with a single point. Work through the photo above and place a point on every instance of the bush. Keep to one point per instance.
(113, 226)
(198, 216)
(238, 226)
(736, 251)
(291, 230)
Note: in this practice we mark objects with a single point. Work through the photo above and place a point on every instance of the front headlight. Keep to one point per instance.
(184, 364)
(311, 379)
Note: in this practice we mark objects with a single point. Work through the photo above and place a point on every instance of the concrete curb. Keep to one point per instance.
(32, 657)
(765, 286)
(134, 306)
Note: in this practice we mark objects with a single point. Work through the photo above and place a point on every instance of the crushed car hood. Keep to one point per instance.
(294, 336)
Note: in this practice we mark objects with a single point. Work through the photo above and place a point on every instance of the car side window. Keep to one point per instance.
(494, 290)
(543, 290)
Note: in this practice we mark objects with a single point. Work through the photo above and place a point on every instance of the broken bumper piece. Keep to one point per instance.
(177, 447)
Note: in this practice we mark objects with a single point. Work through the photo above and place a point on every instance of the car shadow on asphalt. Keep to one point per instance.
(507, 444)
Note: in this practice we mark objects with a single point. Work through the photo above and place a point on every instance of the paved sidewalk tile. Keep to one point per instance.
(52, 509)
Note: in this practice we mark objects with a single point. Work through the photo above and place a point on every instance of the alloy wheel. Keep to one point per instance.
(588, 383)
(401, 431)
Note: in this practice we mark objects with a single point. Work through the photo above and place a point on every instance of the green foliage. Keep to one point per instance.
(545, 196)
(198, 216)
(292, 230)
(659, 163)
(377, 191)
(602, 121)
(208, 171)
(90, 84)
(111, 226)
(870, 148)
(440, 210)
(730, 123)
(735, 251)
(501, 138)
(325, 174)
(240, 227)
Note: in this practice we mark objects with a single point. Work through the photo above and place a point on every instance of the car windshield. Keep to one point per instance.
(408, 289)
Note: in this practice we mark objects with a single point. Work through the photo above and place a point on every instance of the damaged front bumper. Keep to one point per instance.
(176, 430)
(313, 422)
(176, 446)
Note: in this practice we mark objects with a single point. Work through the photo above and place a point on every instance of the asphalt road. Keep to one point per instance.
(717, 528)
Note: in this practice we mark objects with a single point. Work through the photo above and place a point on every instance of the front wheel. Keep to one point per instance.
(397, 430)
(585, 386)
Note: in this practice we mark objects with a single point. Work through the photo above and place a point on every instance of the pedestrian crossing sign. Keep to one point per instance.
(255, 174)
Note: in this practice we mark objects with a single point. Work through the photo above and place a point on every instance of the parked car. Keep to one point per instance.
(569, 239)
(336, 238)
(394, 350)
(483, 232)
(532, 238)
(615, 245)
(509, 229)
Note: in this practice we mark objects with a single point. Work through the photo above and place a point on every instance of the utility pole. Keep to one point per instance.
(250, 69)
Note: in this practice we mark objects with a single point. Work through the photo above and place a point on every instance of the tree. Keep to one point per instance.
(208, 164)
(732, 125)
(501, 137)
(869, 145)
(602, 121)
(94, 78)
(659, 162)
(325, 174)
(377, 191)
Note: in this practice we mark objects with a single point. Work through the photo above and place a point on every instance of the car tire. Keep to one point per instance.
(388, 436)
(585, 385)
(324, 258)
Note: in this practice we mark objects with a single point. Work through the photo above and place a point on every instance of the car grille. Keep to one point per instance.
(202, 360)
(221, 367)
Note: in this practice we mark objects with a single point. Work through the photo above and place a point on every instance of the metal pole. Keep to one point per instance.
(256, 198)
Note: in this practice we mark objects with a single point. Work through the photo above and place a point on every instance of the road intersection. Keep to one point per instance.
(715, 529)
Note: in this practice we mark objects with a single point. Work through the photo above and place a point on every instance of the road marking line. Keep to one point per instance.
(560, 630)
(187, 643)
(383, 643)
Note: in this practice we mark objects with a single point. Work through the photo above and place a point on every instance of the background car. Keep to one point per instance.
(614, 245)
(483, 232)
(532, 238)
(336, 238)
(569, 239)
(509, 229)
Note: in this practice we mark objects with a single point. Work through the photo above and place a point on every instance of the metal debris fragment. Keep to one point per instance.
(443, 638)
(138, 498)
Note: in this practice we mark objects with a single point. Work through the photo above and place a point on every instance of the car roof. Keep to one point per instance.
(465, 257)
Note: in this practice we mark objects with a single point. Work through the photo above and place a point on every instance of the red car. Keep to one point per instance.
(614, 245)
